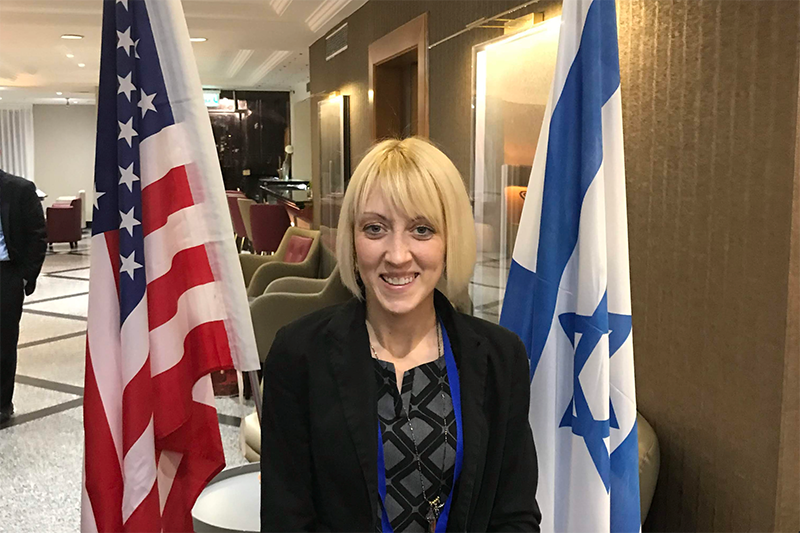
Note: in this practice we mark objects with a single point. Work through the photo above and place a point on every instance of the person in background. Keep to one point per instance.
(394, 411)
(23, 244)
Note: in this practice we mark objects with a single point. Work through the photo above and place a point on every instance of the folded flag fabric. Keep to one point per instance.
(568, 291)
(167, 303)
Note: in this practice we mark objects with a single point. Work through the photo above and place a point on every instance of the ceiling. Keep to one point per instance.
(252, 44)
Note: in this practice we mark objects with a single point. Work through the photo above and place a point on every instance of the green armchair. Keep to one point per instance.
(261, 270)
(285, 300)
(290, 298)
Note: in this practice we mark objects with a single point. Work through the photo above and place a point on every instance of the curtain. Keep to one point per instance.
(16, 140)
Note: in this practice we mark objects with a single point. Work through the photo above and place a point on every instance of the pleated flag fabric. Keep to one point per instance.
(568, 292)
(167, 303)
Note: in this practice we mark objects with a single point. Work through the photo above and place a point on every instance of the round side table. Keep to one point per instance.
(230, 502)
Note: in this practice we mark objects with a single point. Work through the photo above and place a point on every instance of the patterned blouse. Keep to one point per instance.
(422, 393)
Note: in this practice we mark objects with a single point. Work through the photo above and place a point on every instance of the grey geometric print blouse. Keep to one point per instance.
(405, 505)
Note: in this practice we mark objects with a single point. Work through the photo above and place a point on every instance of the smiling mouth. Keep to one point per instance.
(399, 281)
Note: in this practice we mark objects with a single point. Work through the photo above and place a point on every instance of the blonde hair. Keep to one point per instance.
(416, 179)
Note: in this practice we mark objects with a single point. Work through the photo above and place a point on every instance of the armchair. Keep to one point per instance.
(236, 217)
(284, 301)
(244, 210)
(64, 222)
(268, 224)
(288, 260)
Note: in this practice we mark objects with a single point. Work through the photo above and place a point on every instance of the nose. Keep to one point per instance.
(398, 251)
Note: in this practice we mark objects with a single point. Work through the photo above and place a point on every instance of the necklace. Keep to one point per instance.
(436, 504)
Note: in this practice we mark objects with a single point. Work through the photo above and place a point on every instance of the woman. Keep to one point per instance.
(395, 412)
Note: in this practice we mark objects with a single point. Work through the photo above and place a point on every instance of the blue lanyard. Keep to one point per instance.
(455, 393)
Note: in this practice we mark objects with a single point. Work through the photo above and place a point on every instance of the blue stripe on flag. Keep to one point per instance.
(574, 154)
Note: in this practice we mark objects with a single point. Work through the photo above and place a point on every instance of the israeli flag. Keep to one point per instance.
(568, 292)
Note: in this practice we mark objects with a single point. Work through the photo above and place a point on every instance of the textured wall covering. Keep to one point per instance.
(710, 92)
(710, 98)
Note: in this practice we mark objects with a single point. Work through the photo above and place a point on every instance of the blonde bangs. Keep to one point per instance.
(406, 188)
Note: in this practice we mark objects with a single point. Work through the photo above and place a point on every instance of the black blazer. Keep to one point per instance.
(23, 225)
(319, 435)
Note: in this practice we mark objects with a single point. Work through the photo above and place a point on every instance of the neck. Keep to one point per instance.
(399, 334)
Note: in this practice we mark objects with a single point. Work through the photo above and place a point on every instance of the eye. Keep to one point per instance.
(423, 231)
(372, 229)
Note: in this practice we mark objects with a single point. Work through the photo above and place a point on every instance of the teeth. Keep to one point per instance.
(399, 281)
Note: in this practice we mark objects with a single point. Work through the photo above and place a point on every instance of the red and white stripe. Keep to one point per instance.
(151, 433)
(152, 438)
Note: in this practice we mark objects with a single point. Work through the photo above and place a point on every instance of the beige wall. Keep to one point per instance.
(64, 141)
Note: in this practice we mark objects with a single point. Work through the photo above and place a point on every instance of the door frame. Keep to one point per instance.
(412, 34)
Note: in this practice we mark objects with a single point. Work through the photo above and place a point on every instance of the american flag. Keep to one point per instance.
(167, 304)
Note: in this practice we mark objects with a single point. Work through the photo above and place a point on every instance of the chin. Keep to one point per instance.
(400, 305)
(399, 308)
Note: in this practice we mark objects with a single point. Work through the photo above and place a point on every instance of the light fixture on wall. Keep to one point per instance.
(72, 36)
(198, 39)
(81, 65)
(59, 93)
(70, 56)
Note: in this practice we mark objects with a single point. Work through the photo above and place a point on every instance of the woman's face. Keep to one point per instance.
(400, 259)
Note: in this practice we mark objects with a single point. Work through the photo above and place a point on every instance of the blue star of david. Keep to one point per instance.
(583, 424)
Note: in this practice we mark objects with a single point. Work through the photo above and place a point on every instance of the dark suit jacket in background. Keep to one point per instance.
(23, 225)
(319, 437)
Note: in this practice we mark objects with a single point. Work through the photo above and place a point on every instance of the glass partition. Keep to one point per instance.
(511, 84)
(334, 163)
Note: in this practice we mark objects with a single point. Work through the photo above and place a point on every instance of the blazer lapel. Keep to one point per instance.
(352, 366)
(472, 361)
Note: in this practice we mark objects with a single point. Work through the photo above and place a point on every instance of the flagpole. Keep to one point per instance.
(255, 391)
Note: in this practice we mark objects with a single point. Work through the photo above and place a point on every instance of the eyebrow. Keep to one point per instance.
(417, 220)
(372, 214)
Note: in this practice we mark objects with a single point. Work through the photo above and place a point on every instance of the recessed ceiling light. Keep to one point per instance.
(59, 93)
(73, 36)
(81, 65)
(70, 56)
(198, 39)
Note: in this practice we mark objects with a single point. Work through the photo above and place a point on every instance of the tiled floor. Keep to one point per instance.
(41, 450)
